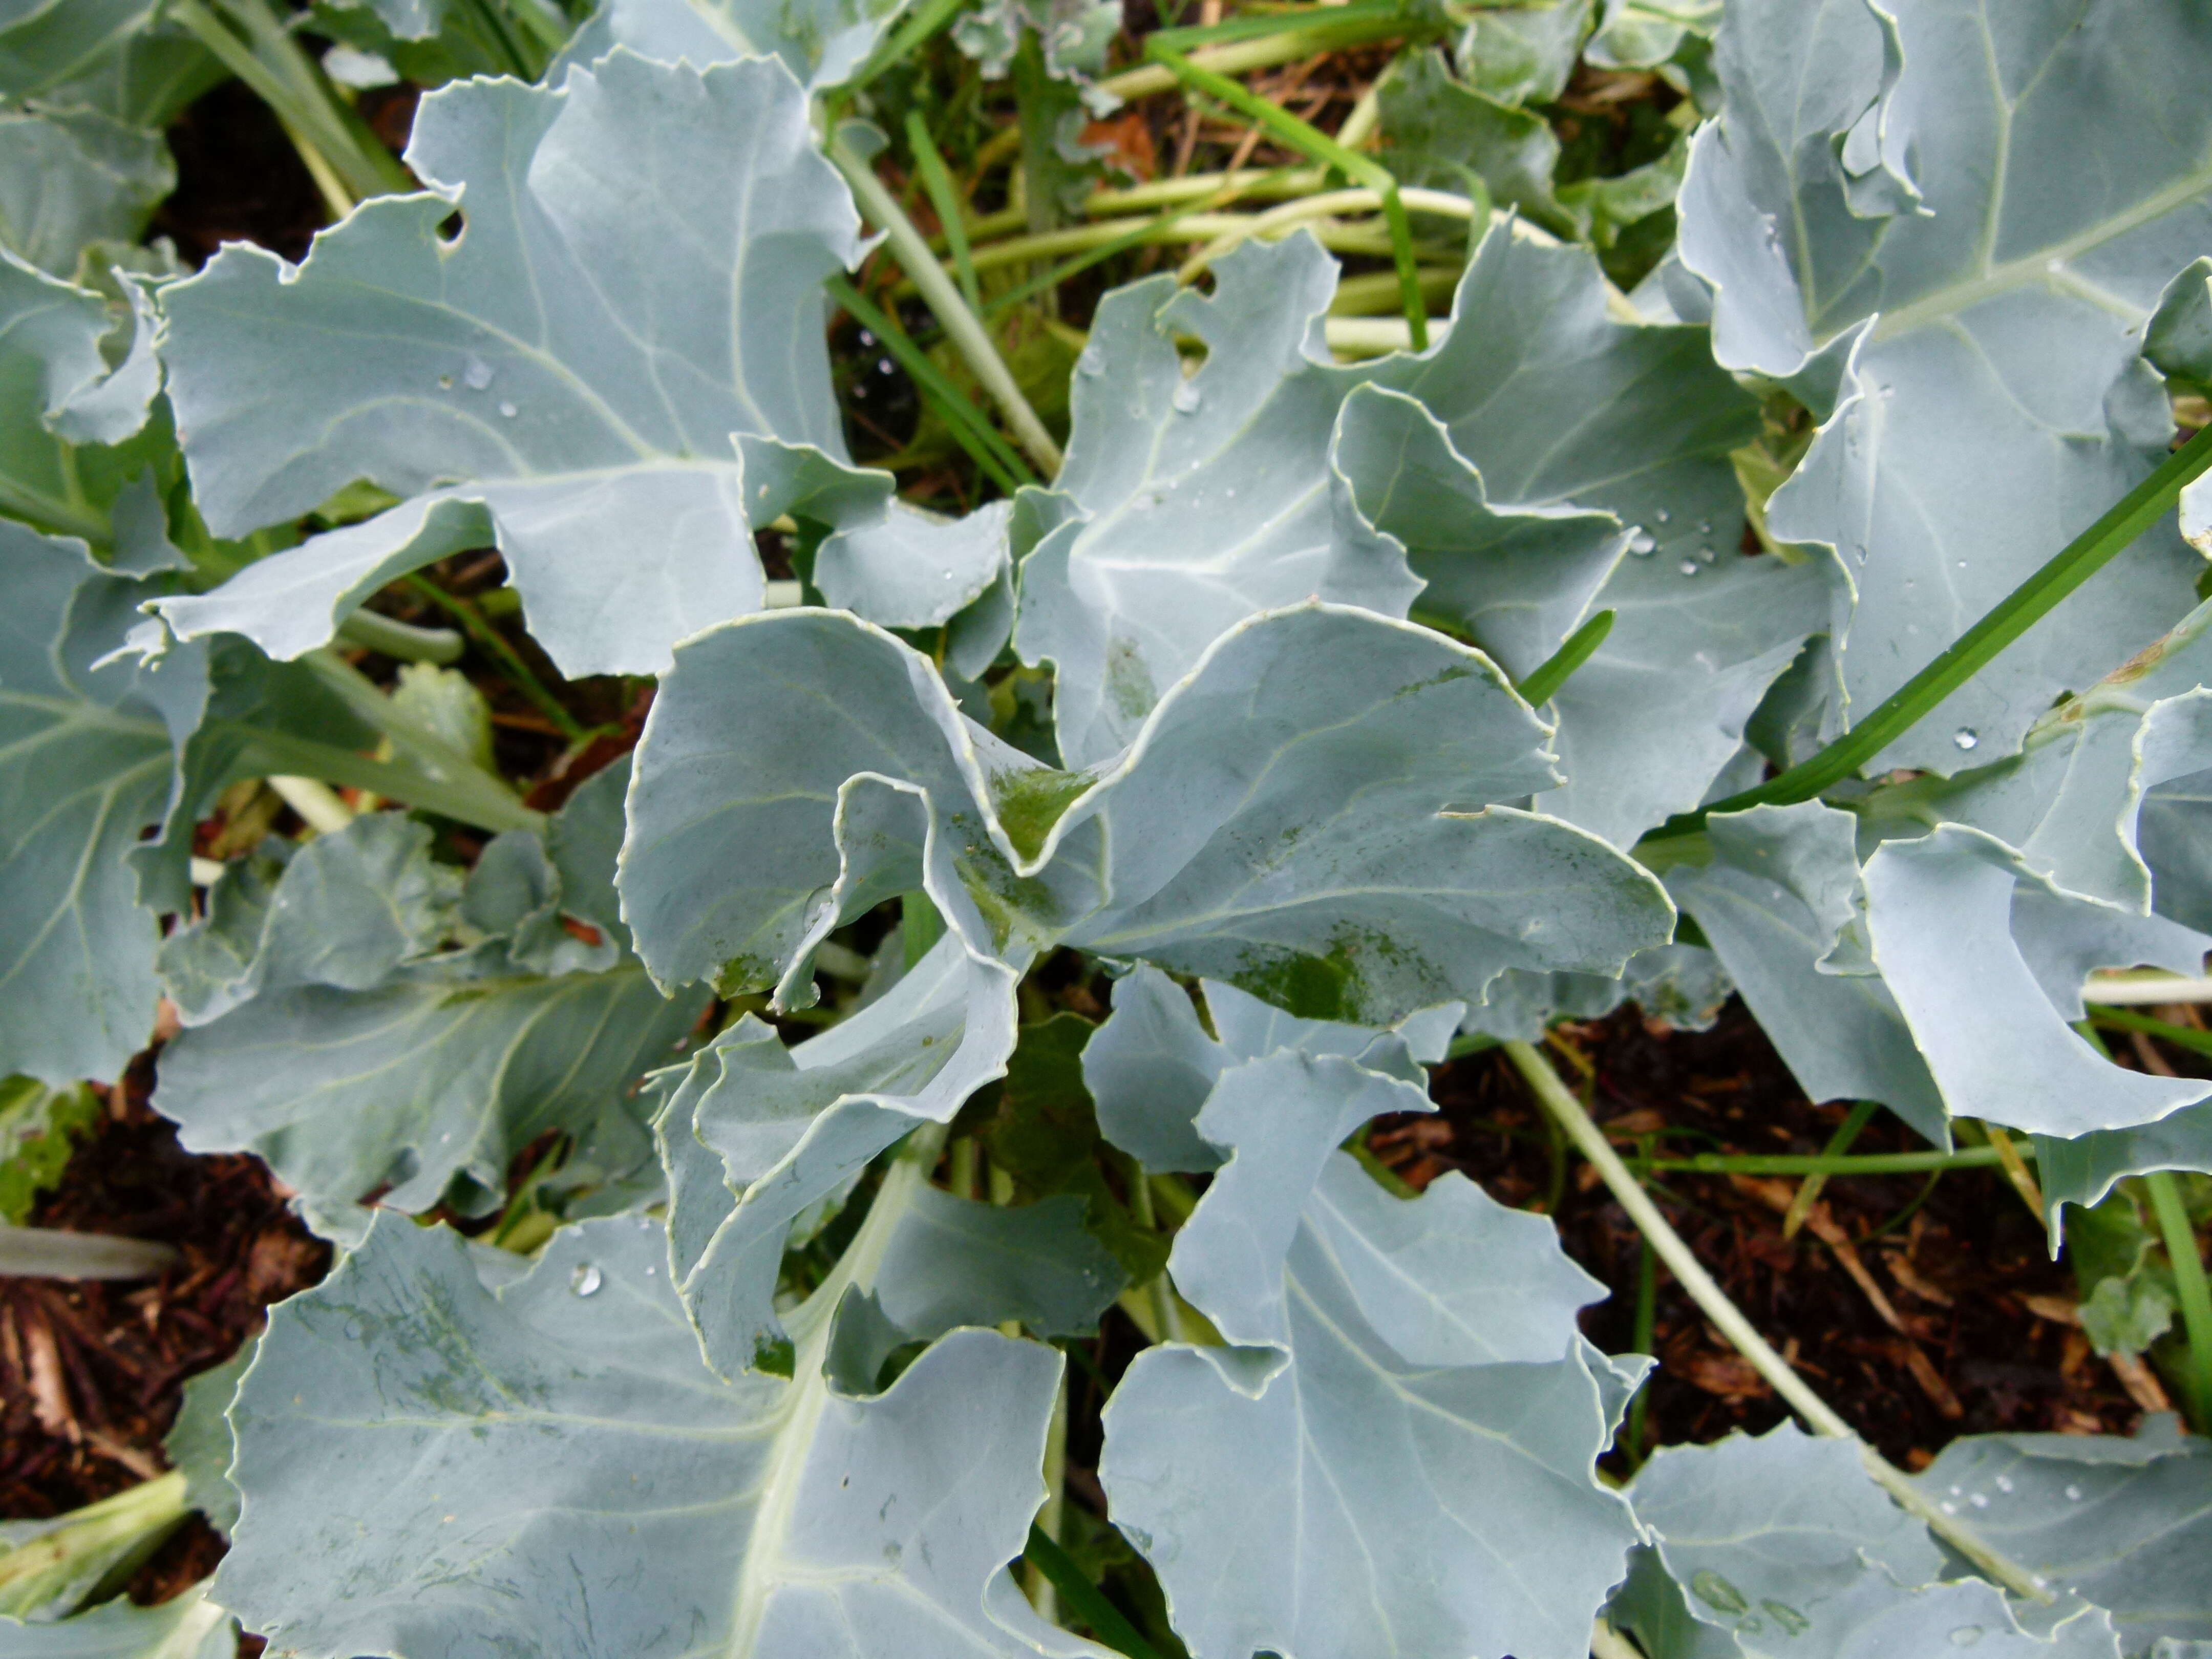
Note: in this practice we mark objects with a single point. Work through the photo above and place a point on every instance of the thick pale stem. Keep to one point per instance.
(2146, 990)
(1327, 205)
(1187, 228)
(314, 801)
(1238, 56)
(56, 1253)
(961, 325)
(114, 1530)
(1559, 1101)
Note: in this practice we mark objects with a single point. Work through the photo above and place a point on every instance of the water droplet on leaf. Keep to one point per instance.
(1690, 567)
(509, 410)
(1662, 515)
(1092, 363)
(1965, 737)
(585, 1280)
(1965, 1635)
(478, 374)
(2073, 1494)
(1186, 398)
(1641, 541)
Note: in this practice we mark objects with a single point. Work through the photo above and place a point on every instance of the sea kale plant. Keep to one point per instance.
(1769, 570)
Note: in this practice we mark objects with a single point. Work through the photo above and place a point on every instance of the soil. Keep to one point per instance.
(91, 1373)
(1956, 1344)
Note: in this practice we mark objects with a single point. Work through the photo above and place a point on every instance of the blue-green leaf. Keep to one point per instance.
(1782, 1545)
(1318, 814)
(613, 406)
(822, 42)
(68, 176)
(1924, 222)
(752, 1134)
(187, 1626)
(1412, 1374)
(90, 748)
(429, 1465)
(390, 1026)
(2122, 1524)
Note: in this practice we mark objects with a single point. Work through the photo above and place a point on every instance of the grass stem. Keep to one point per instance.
(961, 325)
(1559, 1102)
(2191, 1289)
(1809, 1190)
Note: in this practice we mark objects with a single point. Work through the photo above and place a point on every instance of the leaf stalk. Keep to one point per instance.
(1825, 1163)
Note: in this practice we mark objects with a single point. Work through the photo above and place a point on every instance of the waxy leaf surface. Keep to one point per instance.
(1315, 814)
(1946, 225)
(389, 1026)
(428, 1465)
(1151, 1066)
(1782, 1545)
(753, 1133)
(88, 764)
(822, 42)
(1395, 1454)
(72, 176)
(2123, 1524)
(1936, 971)
(187, 1626)
(1516, 462)
(612, 375)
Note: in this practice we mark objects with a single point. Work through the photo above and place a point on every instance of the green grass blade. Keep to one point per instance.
(919, 25)
(2127, 1019)
(1085, 1599)
(1361, 14)
(1542, 685)
(1809, 1190)
(969, 425)
(946, 200)
(2018, 611)
(2189, 1282)
(1823, 1163)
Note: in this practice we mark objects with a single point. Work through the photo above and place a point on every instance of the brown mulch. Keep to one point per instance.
(1957, 1328)
(91, 1373)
